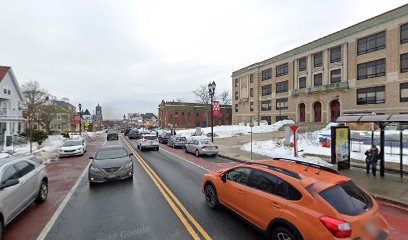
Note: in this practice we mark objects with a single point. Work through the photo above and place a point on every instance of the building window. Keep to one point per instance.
(251, 92)
(176, 115)
(302, 64)
(282, 87)
(5, 91)
(59, 117)
(188, 114)
(9, 92)
(335, 54)
(267, 90)
(266, 105)
(251, 106)
(236, 95)
(371, 69)
(281, 103)
(372, 95)
(280, 118)
(317, 59)
(371, 43)
(302, 82)
(282, 70)
(404, 33)
(236, 107)
(236, 82)
(182, 114)
(266, 118)
(317, 79)
(335, 76)
(267, 74)
(404, 62)
(251, 78)
(198, 114)
(404, 92)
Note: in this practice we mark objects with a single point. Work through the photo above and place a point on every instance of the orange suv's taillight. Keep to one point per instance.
(337, 227)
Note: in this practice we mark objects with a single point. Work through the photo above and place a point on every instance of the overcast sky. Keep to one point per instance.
(129, 55)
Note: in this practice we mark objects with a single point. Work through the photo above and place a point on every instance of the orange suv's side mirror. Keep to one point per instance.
(223, 177)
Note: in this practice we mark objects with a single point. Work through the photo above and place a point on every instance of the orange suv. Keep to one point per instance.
(291, 199)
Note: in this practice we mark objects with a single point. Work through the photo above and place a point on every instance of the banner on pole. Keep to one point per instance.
(216, 109)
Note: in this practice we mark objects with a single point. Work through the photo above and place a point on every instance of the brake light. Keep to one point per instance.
(205, 147)
(144, 140)
(216, 147)
(337, 227)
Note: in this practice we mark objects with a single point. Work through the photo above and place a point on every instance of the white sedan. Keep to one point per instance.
(72, 148)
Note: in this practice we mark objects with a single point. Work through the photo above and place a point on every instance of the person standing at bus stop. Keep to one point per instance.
(373, 155)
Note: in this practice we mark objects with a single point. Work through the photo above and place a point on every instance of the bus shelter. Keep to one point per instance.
(381, 121)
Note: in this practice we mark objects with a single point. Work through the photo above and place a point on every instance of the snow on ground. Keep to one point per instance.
(234, 130)
(276, 149)
(308, 143)
(48, 150)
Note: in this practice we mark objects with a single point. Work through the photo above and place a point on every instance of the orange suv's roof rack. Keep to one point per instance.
(308, 164)
(278, 169)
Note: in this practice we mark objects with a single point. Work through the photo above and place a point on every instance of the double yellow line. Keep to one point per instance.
(171, 199)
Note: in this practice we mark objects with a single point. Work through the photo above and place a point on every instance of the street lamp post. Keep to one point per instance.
(211, 91)
(80, 119)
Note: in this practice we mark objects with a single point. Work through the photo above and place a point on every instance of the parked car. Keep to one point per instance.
(148, 142)
(112, 134)
(110, 163)
(72, 148)
(135, 134)
(201, 147)
(23, 181)
(177, 141)
(127, 131)
(164, 137)
(290, 199)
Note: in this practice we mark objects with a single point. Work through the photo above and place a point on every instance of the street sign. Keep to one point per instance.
(86, 124)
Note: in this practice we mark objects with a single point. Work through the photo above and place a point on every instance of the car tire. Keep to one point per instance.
(157, 149)
(185, 149)
(173, 146)
(282, 233)
(141, 148)
(1, 228)
(197, 153)
(42, 192)
(211, 196)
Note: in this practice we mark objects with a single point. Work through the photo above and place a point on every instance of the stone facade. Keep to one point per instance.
(191, 115)
(341, 88)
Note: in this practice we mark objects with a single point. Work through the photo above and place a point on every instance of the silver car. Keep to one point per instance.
(72, 148)
(148, 142)
(110, 163)
(201, 147)
(23, 181)
(177, 141)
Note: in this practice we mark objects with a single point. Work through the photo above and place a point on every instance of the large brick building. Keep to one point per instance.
(191, 115)
(360, 69)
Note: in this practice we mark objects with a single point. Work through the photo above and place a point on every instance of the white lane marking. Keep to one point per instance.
(57, 213)
(185, 160)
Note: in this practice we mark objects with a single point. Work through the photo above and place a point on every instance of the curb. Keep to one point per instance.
(391, 202)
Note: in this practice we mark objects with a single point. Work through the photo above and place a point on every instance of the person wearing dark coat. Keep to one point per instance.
(372, 157)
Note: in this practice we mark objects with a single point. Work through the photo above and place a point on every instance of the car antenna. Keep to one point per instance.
(306, 168)
(318, 173)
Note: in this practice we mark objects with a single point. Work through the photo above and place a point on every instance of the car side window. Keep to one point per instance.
(282, 188)
(10, 173)
(24, 168)
(239, 175)
(263, 181)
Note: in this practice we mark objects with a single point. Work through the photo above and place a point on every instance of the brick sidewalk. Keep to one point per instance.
(62, 175)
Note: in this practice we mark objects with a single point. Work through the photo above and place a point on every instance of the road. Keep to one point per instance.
(163, 202)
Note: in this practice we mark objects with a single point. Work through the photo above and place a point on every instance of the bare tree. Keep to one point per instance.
(65, 99)
(225, 97)
(179, 100)
(34, 99)
(202, 94)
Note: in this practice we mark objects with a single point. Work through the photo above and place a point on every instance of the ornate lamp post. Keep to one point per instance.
(80, 119)
(211, 91)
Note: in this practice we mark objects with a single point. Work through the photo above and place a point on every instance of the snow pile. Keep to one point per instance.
(235, 130)
(48, 150)
(276, 149)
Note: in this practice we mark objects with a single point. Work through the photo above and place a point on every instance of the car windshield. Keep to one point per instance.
(111, 131)
(347, 198)
(181, 139)
(104, 154)
(71, 143)
(205, 142)
(150, 137)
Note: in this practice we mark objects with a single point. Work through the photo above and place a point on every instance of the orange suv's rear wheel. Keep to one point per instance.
(281, 233)
(211, 196)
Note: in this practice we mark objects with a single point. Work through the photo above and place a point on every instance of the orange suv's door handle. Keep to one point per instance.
(275, 204)
(240, 191)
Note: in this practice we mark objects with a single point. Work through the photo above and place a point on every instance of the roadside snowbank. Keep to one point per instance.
(234, 130)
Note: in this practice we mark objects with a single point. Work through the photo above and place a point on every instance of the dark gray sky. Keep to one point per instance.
(129, 55)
